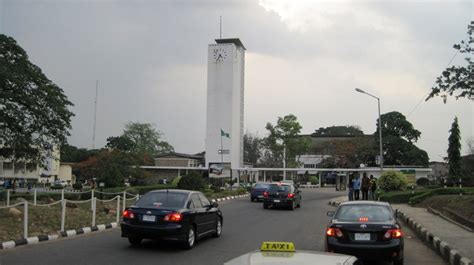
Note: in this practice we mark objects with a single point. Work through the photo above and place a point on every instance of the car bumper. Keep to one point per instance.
(392, 250)
(279, 202)
(168, 232)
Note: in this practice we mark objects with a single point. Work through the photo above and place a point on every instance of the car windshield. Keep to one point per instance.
(261, 186)
(163, 200)
(279, 188)
(370, 213)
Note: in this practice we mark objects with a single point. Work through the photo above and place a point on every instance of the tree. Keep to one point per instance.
(458, 80)
(121, 143)
(284, 134)
(470, 146)
(252, 148)
(398, 137)
(146, 139)
(454, 150)
(73, 154)
(34, 114)
(349, 153)
(339, 130)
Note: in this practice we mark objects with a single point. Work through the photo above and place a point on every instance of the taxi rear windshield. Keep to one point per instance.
(370, 213)
(162, 200)
(279, 188)
(261, 186)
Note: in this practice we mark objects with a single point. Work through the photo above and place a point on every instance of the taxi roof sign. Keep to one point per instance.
(278, 246)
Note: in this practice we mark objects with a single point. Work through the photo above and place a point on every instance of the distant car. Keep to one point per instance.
(61, 183)
(256, 193)
(282, 195)
(177, 215)
(367, 230)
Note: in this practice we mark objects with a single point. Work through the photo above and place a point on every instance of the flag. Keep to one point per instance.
(225, 134)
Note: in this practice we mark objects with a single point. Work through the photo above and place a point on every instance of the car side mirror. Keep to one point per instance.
(330, 213)
(215, 205)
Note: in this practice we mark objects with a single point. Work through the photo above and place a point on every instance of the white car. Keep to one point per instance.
(61, 183)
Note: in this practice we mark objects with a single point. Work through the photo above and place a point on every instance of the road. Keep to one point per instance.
(246, 225)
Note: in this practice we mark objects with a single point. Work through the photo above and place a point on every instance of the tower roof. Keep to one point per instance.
(235, 41)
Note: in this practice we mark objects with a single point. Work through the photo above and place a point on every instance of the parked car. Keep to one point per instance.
(177, 215)
(60, 183)
(256, 193)
(282, 195)
(367, 230)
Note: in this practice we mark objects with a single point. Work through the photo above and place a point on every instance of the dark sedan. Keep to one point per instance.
(367, 230)
(178, 215)
(282, 195)
(256, 193)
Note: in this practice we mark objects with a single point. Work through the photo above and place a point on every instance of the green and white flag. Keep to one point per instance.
(225, 134)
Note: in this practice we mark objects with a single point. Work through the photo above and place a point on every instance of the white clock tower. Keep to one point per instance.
(225, 103)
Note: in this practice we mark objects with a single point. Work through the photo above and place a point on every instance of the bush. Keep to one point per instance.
(440, 191)
(422, 182)
(392, 180)
(192, 181)
(399, 196)
(175, 181)
(314, 180)
(56, 187)
(77, 186)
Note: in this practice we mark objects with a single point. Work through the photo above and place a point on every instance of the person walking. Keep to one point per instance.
(372, 187)
(357, 188)
(350, 186)
(365, 187)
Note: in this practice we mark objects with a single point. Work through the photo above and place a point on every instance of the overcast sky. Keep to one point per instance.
(303, 57)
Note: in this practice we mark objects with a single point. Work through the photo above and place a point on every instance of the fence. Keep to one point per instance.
(63, 214)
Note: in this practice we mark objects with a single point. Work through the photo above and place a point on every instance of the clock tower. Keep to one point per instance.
(225, 103)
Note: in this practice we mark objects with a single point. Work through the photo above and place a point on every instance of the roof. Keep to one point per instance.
(298, 258)
(181, 155)
(365, 203)
(235, 41)
(174, 190)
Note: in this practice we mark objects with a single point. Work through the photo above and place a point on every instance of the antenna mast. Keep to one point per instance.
(95, 113)
(220, 27)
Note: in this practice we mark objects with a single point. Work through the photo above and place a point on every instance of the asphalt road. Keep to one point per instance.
(246, 225)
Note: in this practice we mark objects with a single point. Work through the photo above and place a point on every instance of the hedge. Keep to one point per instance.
(140, 189)
(399, 196)
(440, 191)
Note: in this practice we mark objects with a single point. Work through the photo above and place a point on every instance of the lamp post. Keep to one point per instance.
(380, 127)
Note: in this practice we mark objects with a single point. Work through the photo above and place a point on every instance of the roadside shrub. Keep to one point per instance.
(192, 181)
(56, 187)
(77, 186)
(314, 180)
(176, 180)
(422, 182)
(392, 180)
(440, 191)
(399, 196)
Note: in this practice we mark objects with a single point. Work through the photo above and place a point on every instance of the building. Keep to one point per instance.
(439, 171)
(179, 160)
(225, 103)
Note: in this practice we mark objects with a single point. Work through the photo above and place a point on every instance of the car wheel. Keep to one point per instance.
(134, 240)
(252, 199)
(218, 228)
(398, 261)
(190, 238)
(265, 206)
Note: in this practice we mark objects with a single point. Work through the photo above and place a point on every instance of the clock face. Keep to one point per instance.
(219, 55)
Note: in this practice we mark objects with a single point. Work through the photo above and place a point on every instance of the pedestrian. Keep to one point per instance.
(350, 186)
(372, 187)
(365, 187)
(357, 188)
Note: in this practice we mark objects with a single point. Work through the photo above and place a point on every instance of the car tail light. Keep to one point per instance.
(334, 232)
(393, 233)
(127, 214)
(265, 194)
(291, 195)
(173, 217)
(363, 219)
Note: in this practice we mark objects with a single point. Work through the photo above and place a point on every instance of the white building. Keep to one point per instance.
(225, 102)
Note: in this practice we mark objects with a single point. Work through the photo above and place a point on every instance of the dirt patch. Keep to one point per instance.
(453, 206)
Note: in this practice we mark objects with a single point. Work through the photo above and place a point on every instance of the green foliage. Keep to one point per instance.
(34, 111)
(457, 80)
(286, 133)
(392, 180)
(252, 148)
(422, 182)
(348, 153)
(314, 180)
(175, 181)
(73, 154)
(399, 137)
(192, 181)
(140, 189)
(77, 186)
(399, 196)
(440, 191)
(454, 150)
(146, 139)
(121, 143)
(339, 130)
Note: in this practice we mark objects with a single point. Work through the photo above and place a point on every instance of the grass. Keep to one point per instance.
(461, 205)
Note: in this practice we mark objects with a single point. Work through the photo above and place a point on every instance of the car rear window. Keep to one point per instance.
(163, 200)
(261, 186)
(361, 212)
(279, 188)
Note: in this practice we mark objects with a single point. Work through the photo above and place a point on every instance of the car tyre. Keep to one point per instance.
(265, 206)
(218, 228)
(398, 261)
(190, 238)
(134, 240)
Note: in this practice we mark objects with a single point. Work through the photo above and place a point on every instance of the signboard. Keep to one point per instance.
(219, 170)
(223, 151)
(101, 184)
(410, 174)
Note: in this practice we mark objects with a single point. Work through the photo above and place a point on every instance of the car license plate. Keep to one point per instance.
(260, 196)
(276, 200)
(362, 236)
(149, 218)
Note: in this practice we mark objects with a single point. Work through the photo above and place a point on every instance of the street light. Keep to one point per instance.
(380, 127)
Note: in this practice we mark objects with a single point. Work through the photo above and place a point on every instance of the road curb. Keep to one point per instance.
(441, 247)
(230, 198)
(43, 238)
